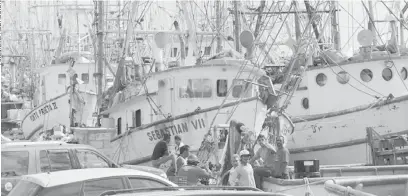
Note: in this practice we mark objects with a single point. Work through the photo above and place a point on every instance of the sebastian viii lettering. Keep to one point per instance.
(176, 129)
(43, 111)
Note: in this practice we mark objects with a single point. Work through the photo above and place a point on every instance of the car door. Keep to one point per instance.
(95, 187)
(14, 164)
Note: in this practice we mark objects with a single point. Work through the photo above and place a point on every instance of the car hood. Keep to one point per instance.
(152, 170)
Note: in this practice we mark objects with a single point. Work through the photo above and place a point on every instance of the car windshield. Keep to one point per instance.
(25, 188)
(14, 163)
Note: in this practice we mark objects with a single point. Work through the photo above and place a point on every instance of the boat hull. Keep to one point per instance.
(340, 138)
(136, 146)
(56, 112)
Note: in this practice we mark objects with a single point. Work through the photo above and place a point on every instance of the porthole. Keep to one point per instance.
(404, 73)
(321, 79)
(387, 74)
(343, 77)
(305, 103)
(366, 75)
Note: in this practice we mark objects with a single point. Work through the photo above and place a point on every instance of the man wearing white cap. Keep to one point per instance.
(245, 173)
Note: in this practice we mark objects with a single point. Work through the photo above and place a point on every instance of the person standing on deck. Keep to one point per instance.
(161, 152)
(179, 144)
(233, 177)
(181, 160)
(245, 173)
(282, 159)
(267, 153)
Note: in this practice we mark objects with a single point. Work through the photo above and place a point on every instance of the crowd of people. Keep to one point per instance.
(247, 170)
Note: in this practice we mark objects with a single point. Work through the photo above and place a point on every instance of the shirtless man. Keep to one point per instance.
(267, 153)
(161, 153)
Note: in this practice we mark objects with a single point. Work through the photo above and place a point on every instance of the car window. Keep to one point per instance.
(71, 189)
(89, 159)
(54, 160)
(96, 187)
(14, 163)
(145, 183)
(25, 188)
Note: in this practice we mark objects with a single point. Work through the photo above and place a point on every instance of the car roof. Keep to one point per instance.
(42, 144)
(191, 191)
(51, 179)
(202, 193)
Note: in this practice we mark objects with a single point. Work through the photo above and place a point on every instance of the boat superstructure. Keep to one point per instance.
(183, 101)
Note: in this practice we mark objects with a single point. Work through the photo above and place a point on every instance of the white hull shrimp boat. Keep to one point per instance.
(55, 97)
(338, 98)
(193, 98)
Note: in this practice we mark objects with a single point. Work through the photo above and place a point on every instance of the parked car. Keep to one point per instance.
(22, 158)
(192, 191)
(89, 182)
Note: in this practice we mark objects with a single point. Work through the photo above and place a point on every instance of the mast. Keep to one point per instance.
(100, 37)
(218, 24)
(124, 50)
(250, 50)
(371, 21)
(310, 13)
(297, 21)
(402, 40)
(237, 27)
(335, 26)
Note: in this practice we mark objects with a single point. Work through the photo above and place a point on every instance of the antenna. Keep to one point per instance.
(365, 37)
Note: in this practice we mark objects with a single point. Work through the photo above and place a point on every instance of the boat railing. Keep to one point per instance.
(398, 183)
(364, 170)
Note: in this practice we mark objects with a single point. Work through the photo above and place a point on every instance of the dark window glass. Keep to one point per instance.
(222, 88)
(14, 163)
(138, 118)
(85, 78)
(54, 160)
(88, 159)
(25, 188)
(239, 86)
(96, 187)
(72, 189)
(207, 50)
(62, 78)
(145, 183)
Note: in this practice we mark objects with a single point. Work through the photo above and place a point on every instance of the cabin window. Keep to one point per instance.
(222, 88)
(137, 118)
(387, 74)
(119, 126)
(404, 73)
(196, 88)
(366, 75)
(85, 78)
(239, 86)
(343, 77)
(305, 103)
(321, 79)
(174, 52)
(207, 50)
(62, 79)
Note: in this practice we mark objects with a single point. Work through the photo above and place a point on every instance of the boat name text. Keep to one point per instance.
(43, 111)
(176, 129)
